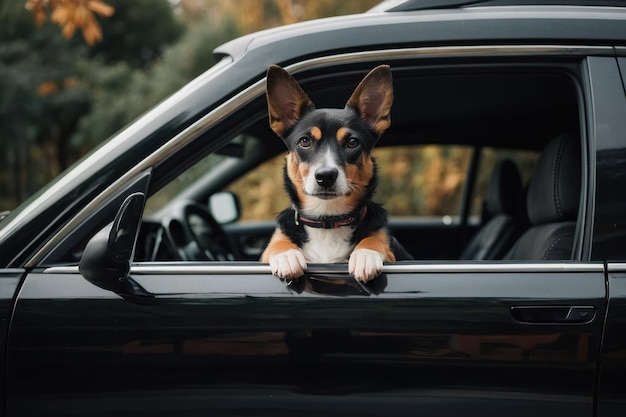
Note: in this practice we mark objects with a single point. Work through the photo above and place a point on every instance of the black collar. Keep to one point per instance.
(330, 222)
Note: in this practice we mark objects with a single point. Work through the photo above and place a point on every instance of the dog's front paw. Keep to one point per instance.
(288, 265)
(365, 264)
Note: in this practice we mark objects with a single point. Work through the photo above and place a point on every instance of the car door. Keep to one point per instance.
(234, 340)
(198, 338)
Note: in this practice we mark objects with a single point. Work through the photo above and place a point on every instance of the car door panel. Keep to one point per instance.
(250, 238)
(232, 339)
(431, 238)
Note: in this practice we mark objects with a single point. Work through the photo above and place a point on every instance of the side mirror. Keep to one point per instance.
(106, 258)
(224, 207)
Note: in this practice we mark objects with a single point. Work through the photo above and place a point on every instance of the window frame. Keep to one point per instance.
(552, 54)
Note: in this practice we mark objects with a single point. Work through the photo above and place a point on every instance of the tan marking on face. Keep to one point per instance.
(379, 242)
(358, 178)
(278, 244)
(297, 173)
(342, 134)
(316, 133)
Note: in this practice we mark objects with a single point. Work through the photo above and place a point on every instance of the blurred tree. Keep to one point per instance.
(253, 15)
(129, 34)
(60, 97)
(138, 32)
(31, 97)
(72, 15)
(124, 93)
(47, 85)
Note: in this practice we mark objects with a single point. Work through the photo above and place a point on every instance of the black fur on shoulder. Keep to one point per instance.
(375, 219)
(286, 221)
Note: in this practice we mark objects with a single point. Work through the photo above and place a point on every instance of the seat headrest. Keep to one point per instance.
(554, 191)
(505, 188)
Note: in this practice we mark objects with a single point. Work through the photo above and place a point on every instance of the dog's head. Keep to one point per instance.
(329, 166)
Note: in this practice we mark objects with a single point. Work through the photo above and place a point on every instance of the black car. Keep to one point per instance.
(131, 285)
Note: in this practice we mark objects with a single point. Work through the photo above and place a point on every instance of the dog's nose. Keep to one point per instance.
(326, 176)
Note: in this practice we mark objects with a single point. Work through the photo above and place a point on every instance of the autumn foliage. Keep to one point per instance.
(63, 94)
(71, 15)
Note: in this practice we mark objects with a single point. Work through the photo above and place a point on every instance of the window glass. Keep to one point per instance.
(167, 193)
(191, 175)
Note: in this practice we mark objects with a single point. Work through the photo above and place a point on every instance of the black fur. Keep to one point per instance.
(286, 220)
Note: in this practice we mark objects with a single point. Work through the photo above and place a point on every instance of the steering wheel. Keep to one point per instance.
(196, 236)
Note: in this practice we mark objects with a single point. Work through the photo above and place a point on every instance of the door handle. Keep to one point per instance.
(554, 314)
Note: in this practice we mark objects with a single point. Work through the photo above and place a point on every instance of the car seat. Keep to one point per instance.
(507, 221)
(552, 203)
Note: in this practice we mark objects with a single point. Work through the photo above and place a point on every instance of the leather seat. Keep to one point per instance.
(507, 218)
(552, 203)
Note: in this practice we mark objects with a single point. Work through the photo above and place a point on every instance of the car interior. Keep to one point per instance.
(515, 129)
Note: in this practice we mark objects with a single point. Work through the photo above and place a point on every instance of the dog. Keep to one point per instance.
(330, 177)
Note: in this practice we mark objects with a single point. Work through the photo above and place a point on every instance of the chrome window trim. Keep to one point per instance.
(616, 266)
(403, 268)
(454, 52)
(258, 88)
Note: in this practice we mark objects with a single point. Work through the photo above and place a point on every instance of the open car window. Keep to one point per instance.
(426, 184)
(439, 164)
(453, 123)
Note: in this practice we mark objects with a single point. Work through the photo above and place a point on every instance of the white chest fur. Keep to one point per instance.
(328, 245)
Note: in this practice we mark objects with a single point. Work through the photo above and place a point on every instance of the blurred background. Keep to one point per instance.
(74, 72)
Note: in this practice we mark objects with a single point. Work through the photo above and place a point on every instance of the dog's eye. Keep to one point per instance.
(304, 142)
(352, 142)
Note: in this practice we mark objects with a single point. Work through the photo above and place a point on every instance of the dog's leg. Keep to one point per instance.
(366, 261)
(285, 258)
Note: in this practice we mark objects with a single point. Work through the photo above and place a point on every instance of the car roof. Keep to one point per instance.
(496, 22)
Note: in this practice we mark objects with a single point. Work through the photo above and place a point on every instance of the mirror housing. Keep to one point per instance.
(106, 259)
(224, 207)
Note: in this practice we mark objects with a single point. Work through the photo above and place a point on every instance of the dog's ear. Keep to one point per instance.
(372, 98)
(286, 101)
